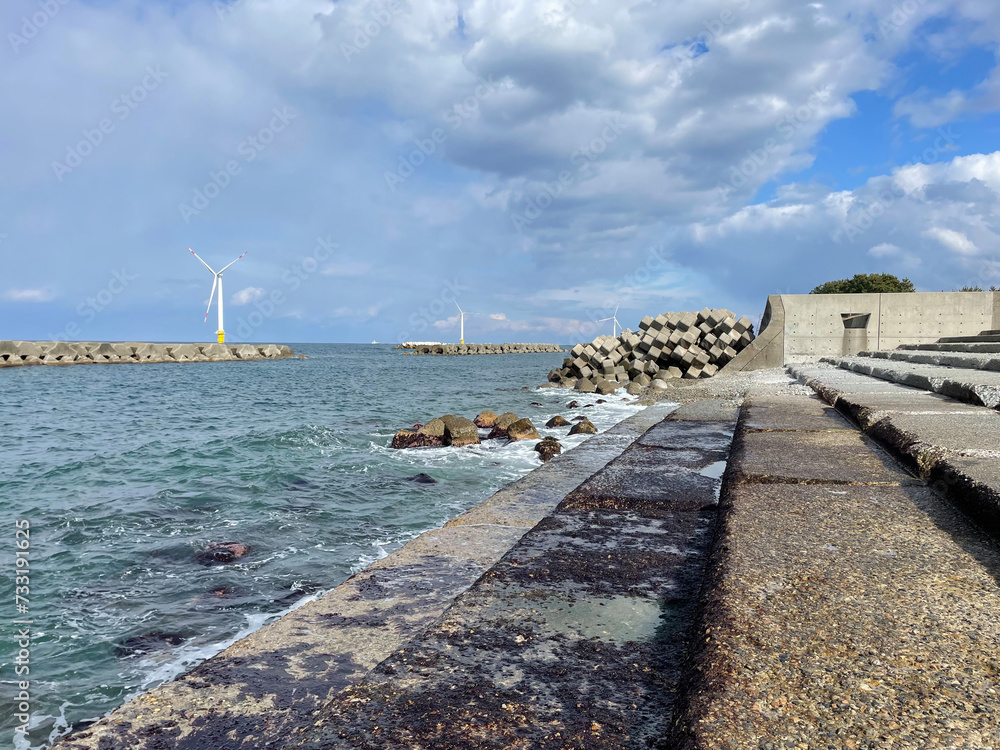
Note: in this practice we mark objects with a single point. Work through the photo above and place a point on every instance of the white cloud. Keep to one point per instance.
(884, 250)
(953, 240)
(43, 294)
(248, 296)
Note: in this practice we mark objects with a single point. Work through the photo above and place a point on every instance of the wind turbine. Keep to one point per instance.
(461, 318)
(615, 325)
(216, 283)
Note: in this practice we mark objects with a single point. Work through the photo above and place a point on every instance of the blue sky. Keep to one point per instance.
(539, 161)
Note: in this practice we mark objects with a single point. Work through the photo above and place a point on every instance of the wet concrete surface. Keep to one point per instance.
(575, 639)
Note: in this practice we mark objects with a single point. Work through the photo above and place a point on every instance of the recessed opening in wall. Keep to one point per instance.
(855, 320)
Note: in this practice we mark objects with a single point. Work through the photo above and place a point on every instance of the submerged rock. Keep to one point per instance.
(147, 643)
(573, 405)
(584, 427)
(421, 478)
(222, 552)
(522, 429)
(557, 421)
(485, 419)
(548, 448)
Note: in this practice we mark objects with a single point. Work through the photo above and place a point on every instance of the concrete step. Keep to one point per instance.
(979, 387)
(980, 339)
(257, 691)
(952, 445)
(940, 358)
(577, 638)
(966, 348)
(846, 605)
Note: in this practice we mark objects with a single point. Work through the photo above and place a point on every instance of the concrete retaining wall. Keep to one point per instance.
(20, 353)
(479, 348)
(802, 327)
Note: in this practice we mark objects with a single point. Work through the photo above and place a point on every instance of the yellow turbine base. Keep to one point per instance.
(461, 342)
(222, 336)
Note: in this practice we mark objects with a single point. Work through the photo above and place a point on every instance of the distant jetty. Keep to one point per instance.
(458, 349)
(20, 353)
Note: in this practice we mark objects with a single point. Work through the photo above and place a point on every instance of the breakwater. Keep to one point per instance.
(20, 353)
(459, 349)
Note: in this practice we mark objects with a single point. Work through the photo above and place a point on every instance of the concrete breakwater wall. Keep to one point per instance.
(20, 353)
(479, 348)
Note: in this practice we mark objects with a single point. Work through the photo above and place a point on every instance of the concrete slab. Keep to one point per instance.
(707, 410)
(837, 456)
(782, 413)
(846, 617)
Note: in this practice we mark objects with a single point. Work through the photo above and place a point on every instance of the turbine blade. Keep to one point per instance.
(202, 262)
(215, 283)
(223, 270)
(459, 308)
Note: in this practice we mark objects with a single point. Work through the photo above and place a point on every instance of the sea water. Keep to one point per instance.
(126, 472)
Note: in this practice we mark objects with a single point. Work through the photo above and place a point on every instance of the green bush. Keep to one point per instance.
(866, 283)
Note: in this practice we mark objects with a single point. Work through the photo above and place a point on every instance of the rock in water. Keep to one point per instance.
(557, 421)
(584, 427)
(573, 405)
(522, 429)
(421, 478)
(548, 448)
(434, 428)
(459, 431)
(144, 644)
(485, 419)
(411, 439)
(504, 421)
(222, 552)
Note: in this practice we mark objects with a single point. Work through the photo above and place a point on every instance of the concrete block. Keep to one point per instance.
(743, 324)
(577, 351)
(709, 340)
(693, 372)
(705, 328)
(645, 323)
(709, 371)
(688, 339)
(651, 367)
(674, 372)
(703, 315)
(662, 339)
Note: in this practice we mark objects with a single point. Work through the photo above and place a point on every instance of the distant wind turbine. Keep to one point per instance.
(217, 283)
(615, 325)
(461, 319)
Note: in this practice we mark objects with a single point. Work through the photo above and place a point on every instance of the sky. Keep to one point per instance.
(539, 162)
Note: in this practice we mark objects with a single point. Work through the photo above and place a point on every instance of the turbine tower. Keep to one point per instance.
(216, 283)
(461, 319)
(615, 325)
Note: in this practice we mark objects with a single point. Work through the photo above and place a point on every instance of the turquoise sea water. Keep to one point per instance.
(126, 472)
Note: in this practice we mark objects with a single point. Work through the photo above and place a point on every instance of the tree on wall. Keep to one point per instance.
(866, 283)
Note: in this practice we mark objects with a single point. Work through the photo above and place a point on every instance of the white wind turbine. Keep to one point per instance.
(217, 283)
(461, 320)
(615, 325)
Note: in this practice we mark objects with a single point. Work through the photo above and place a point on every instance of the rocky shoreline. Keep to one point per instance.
(21, 353)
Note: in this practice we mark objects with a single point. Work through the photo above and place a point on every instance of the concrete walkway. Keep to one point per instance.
(577, 637)
(847, 605)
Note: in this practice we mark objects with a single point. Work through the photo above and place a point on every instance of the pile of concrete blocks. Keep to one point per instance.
(672, 345)
(19, 353)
